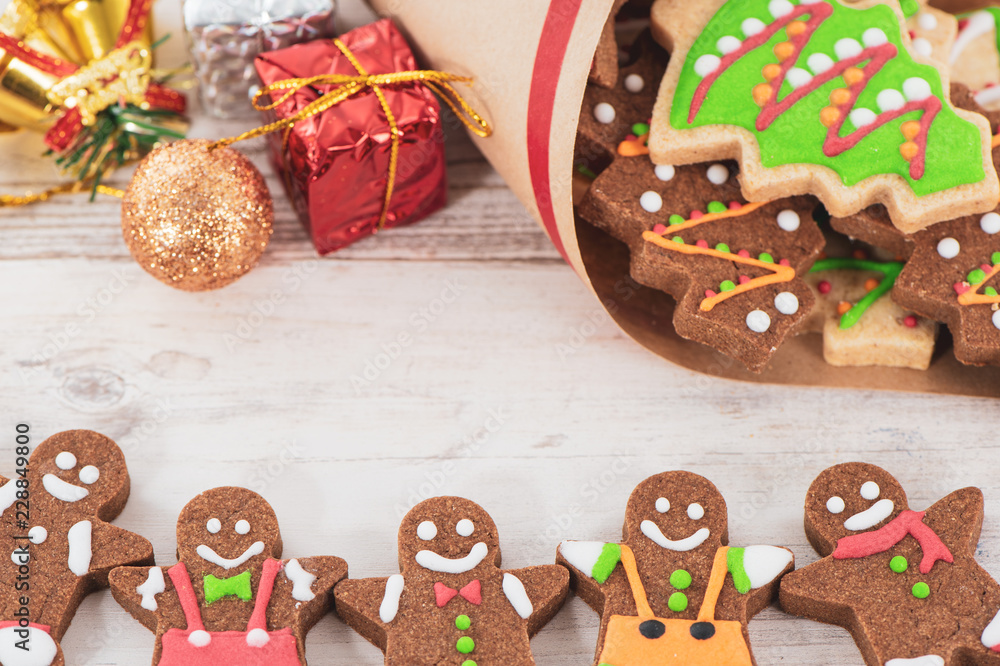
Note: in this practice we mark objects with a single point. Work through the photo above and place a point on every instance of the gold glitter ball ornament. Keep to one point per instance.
(197, 219)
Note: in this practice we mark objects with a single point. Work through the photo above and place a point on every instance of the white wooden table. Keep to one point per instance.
(234, 388)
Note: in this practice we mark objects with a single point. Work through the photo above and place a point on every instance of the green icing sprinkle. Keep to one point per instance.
(977, 276)
(954, 145)
(717, 207)
(898, 564)
(465, 645)
(469, 662)
(734, 562)
(678, 239)
(890, 270)
(680, 579)
(640, 128)
(990, 291)
(462, 622)
(583, 169)
(727, 285)
(676, 219)
(678, 602)
(995, 258)
(722, 247)
(610, 556)
(921, 590)
(766, 258)
(910, 8)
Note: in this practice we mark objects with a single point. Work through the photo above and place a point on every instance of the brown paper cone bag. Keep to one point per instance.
(530, 60)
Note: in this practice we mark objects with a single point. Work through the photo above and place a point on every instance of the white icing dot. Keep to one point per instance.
(862, 116)
(752, 26)
(604, 113)
(835, 504)
(665, 172)
(996, 319)
(990, 223)
(65, 460)
(199, 638)
(788, 220)
(779, 8)
(257, 638)
(916, 89)
(663, 505)
(949, 248)
(718, 174)
(427, 530)
(890, 99)
(651, 202)
(847, 48)
(696, 511)
(242, 527)
(90, 474)
(927, 21)
(758, 321)
(634, 83)
(707, 64)
(465, 527)
(874, 37)
(213, 525)
(786, 303)
(923, 47)
(870, 490)
(728, 44)
(819, 63)
(798, 77)
(38, 534)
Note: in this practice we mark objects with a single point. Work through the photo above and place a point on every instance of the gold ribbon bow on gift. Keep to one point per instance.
(349, 86)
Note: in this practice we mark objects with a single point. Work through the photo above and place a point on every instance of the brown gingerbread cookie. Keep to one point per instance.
(229, 599)
(451, 603)
(735, 268)
(604, 68)
(904, 583)
(673, 586)
(54, 521)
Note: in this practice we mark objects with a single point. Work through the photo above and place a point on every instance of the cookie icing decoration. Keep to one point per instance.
(890, 270)
(203, 612)
(900, 570)
(644, 586)
(451, 602)
(823, 98)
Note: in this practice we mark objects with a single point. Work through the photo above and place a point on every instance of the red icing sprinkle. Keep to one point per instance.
(744, 253)
(785, 262)
(910, 321)
(824, 287)
(659, 229)
(735, 205)
(961, 287)
(744, 279)
(963, 23)
(702, 243)
(986, 267)
(697, 214)
(710, 294)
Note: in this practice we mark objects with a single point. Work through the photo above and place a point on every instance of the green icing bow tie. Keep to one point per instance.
(237, 586)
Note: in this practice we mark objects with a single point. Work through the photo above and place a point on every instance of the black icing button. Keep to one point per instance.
(652, 629)
(702, 631)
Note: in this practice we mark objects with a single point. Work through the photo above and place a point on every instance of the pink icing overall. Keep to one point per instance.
(254, 647)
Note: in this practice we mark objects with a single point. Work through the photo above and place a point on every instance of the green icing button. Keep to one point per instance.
(722, 247)
(898, 564)
(717, 207)
(727, 285)
(465, 645)
(676, 219)
(680, 579)
(463, 622)
(469, 662)
(921, 590)
(678, 602)
(976, 276)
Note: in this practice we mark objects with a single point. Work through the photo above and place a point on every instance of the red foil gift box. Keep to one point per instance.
(335, 165)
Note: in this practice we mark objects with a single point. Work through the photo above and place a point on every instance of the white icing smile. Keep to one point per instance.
(61, 490)
(652, 531)
(430, 560)
(206, 553)
(871, 516)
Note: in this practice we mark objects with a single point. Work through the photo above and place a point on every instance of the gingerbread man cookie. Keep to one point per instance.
(230, 599)
(451, 603)
(54, 522)
(674, 577)
(904, 583)
(819, 97)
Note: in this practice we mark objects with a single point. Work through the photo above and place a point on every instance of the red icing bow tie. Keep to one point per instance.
(471, 593)
(887, 536)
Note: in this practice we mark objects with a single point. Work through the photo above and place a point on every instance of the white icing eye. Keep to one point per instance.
(427, 530)
(242, 527)
(835, 504)
(465, 527)
(213, 525)
(90, 474)
(696, 511)
(870, 490)
(38, 534)
(65, 460)
(663, 505)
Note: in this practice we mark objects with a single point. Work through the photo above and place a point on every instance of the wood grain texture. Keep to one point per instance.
(457, 356)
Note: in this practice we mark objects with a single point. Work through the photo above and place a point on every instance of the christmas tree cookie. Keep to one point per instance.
(975, 55)
(819, 97)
